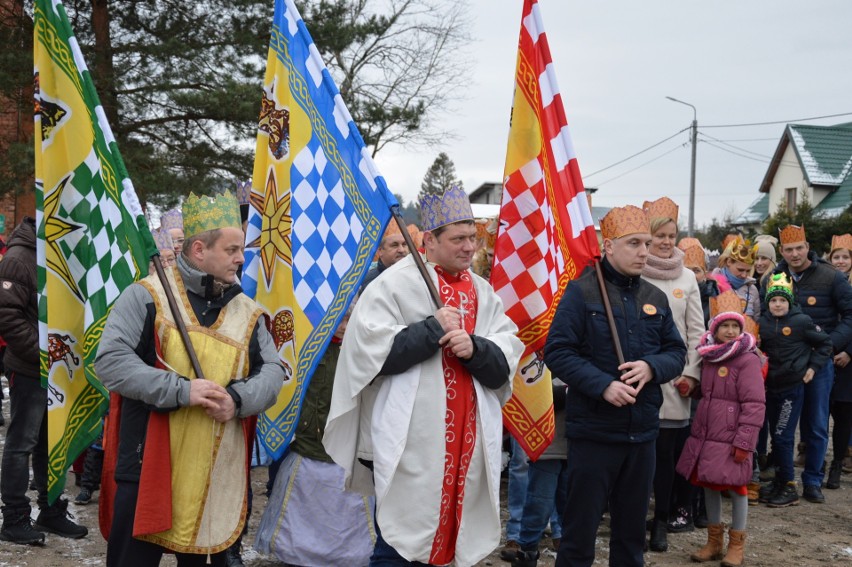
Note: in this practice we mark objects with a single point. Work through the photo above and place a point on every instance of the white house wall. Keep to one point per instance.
(789, 174)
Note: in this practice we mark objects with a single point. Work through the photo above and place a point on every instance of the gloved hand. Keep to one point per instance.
(740, 455)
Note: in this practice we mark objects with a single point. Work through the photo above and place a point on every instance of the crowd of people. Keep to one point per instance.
(674, 382)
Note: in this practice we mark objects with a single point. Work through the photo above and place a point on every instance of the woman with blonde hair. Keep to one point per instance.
(664, 269)
(735, 271)
(840, 257)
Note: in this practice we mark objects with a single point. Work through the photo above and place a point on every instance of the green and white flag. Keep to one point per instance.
(93, 240)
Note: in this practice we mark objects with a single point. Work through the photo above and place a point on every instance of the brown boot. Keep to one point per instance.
(753, 493)
(801, 449)
(712, 551)
(736, 549)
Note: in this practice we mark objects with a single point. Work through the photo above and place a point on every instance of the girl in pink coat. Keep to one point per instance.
(718, 453)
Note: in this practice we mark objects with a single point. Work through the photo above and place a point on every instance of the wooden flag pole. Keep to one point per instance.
(609, 317)
(181, 325)
(421, 266)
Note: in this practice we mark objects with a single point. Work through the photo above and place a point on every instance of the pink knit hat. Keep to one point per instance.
(726, 316)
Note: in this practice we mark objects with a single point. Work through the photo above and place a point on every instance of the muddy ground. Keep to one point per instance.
(807, 534)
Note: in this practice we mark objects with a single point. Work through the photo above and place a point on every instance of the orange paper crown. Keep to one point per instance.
(392, 228)
(621, 221)
(662, 208)
(791, 234)
(730, 301)
(728, 239)
(416, 235)
(841, 241)
(688, 242)
(694, 256)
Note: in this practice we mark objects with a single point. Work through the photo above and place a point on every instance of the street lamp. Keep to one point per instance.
(691, 226)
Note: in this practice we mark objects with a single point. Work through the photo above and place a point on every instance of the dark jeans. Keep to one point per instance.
(840, 436)
(669, 446)
(386, 556)
(782, 411)
(815, 423)
(123, 550)
(547, 488)
(618, 473)
(25, 436)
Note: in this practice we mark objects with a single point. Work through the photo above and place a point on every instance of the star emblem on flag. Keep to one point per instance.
(56, 228)
(275, 237)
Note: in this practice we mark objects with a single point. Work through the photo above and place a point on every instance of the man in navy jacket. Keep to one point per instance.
(825, 295)
(612, 409)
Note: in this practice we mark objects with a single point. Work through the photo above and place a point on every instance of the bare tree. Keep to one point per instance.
(397, 62)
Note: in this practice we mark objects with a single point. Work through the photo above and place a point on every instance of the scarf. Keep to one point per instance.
(735, 282)
(664, 268)
(711, 351)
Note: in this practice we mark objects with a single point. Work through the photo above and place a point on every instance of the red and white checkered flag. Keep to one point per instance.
(546, 235)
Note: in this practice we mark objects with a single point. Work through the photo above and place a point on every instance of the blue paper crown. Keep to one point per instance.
(163, 239)
(437, 211)
(171, 219)
(243, 192)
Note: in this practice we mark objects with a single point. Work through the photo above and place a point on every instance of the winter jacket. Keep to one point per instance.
(730, 414)
(18, 302)
(315, 408)
(579, 351)
(793, 343)
(685, 303)
(747, 291)
(825, 295)
(708, 288)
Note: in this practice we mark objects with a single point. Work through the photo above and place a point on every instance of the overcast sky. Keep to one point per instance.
(737, 62)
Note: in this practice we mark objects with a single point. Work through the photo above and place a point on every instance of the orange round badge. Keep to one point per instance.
(649, 309)
(723, 371)
(678, 293)
(786, 331)
(812, 300)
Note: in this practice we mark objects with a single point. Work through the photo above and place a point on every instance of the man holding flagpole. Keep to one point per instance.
(433, 435)
(183, 446)
(612, 408)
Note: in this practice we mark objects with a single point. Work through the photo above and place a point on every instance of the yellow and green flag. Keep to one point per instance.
(93, 240)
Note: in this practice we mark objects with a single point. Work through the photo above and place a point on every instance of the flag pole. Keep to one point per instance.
(421, 266)
(181, 325)
(608, 310)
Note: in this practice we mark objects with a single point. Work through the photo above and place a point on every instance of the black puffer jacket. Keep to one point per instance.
(793, 343)
(825, 295)
(18, 301)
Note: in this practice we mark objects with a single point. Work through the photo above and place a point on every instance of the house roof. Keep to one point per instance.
(755, 213)
(824, 153)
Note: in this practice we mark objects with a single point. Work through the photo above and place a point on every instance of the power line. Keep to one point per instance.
(641, 165)
(709, 143)
(735, 147)
(636, 154)
(776, 121)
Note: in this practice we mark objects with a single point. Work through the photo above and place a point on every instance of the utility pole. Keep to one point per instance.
(691, 226)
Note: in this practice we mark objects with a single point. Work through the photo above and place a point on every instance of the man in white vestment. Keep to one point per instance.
(417, 397)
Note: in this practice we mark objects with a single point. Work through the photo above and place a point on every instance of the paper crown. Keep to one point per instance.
(842, 241)
(243, 192)
(728, 239)
(662, 208)
(204, 213)
(171, 219)
(392, 228)
(741, 250)
(779, 284)
(695, 256)
(791, 234)
(415, 235)
(437, 211)
(620, 221)
(730, 301)
(163, 239)
(688, 242)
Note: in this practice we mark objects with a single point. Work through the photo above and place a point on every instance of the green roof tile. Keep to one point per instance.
(825, 152)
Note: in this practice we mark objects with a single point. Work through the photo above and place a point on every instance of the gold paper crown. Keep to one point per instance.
(694, 256)
(842, 241)
(662, 208)
(171, 219)
(779, 284)
(620, 221)
(741, 251)
(204, 213)
(791, 234)
(163, 239)
(730, 301)
(689, 242)
(437, 211)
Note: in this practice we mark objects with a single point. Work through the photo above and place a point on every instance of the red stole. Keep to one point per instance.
(460, 434)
